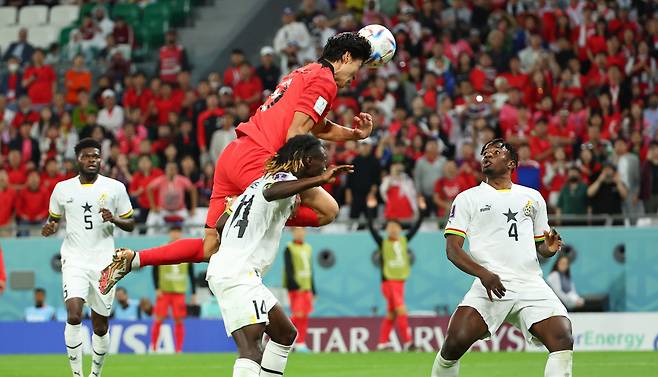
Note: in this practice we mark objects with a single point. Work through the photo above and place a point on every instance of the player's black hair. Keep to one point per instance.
(568, 271)
(39, 290)
(290, 157)
(500, 143)
(357, 45)
(86, 143)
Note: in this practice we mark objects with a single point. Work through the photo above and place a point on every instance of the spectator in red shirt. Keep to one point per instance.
(249, 88)
(169, 205)
(51, 176)
(123, 33)
(39, 80)
(129, 137)
(399, 194)
(172, 59)
(8, 200)
(25, 113)
(447, 187)
(137, 95)
(208, 122)
(166, 104)
(16, 169)
(141, 179)
(31, 203)
(11, 85)
(540, 145)
(232, 73)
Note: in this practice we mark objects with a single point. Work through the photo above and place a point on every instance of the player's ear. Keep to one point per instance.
(346, 58)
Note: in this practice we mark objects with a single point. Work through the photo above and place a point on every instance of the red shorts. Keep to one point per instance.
(174, 300)
(393, 291)
(241, 163)
(301, 301)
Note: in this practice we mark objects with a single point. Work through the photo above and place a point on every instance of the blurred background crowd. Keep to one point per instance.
(572, 84)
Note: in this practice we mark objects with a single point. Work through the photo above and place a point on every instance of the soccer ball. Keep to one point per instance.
(382, 43)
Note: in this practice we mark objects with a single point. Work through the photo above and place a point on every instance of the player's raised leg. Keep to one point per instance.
(100, 343)
(73, 333)
(282, 335)
(555, 334)
(465, 328)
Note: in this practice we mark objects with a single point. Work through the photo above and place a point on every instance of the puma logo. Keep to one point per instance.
(76, 373)
(97, 363)
(73, 358)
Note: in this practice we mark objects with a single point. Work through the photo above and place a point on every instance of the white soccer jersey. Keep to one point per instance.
(250, 239)
(502, 227)
(89, 241)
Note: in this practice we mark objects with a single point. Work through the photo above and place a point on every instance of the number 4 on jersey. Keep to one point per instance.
(513, 232)
(262, 309)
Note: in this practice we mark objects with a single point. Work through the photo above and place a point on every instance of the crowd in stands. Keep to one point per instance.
(572, 84)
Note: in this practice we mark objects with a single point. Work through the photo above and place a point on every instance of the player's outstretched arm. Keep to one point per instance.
(459, 257)
(286, 189)
(551, 245)
(332, 131)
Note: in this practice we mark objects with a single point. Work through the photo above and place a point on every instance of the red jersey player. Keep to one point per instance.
(297, 106)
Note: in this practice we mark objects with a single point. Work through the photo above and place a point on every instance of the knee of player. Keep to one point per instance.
(74, 318)
(401, 310)
(100, 329)
(564, 339)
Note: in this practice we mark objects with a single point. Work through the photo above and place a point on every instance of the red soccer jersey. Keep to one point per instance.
(40, 90)
(8, 200)
(48, 182)
(310, 89)
(32, 205)
(138, 186)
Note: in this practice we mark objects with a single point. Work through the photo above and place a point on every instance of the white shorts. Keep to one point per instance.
(523, 305)
(83, 283)
(242, 301)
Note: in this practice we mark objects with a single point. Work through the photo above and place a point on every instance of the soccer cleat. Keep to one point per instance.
(301, 348)
(384, 347)
(115, 271)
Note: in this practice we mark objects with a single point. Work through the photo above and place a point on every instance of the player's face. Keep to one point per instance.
(495, 161)
(347, 71)
(89, 161)
(316, 165)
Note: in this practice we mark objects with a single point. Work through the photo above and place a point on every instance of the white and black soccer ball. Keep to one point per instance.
(382, 42)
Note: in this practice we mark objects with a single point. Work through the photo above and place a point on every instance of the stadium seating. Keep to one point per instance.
(8, 34)
(33, 15)
(7, 16)
(129, 12)
(63, 15)
(43, 36)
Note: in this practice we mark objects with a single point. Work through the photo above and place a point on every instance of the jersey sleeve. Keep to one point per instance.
(460, 216)
(124, 207)
(540, 220)
(55, 209)
(317, 97)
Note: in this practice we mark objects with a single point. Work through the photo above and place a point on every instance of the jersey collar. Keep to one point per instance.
(326, 63)
(487, 186)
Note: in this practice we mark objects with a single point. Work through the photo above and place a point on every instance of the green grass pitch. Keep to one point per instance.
(376, 364)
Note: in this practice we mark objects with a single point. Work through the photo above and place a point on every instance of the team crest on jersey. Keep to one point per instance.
(102, 201)
(529, 209)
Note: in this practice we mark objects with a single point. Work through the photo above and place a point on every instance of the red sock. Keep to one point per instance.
(185, 250)
(304, 216)
(179, 336)
(302, 327)
(402, 322)
(155, 333)
(385, 330)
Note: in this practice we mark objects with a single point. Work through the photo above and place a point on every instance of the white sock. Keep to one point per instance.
(99, 347)
(274, 360)
(559, 364)
(73, 341)
(445, 368)
(134, 265)
(245, 368)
